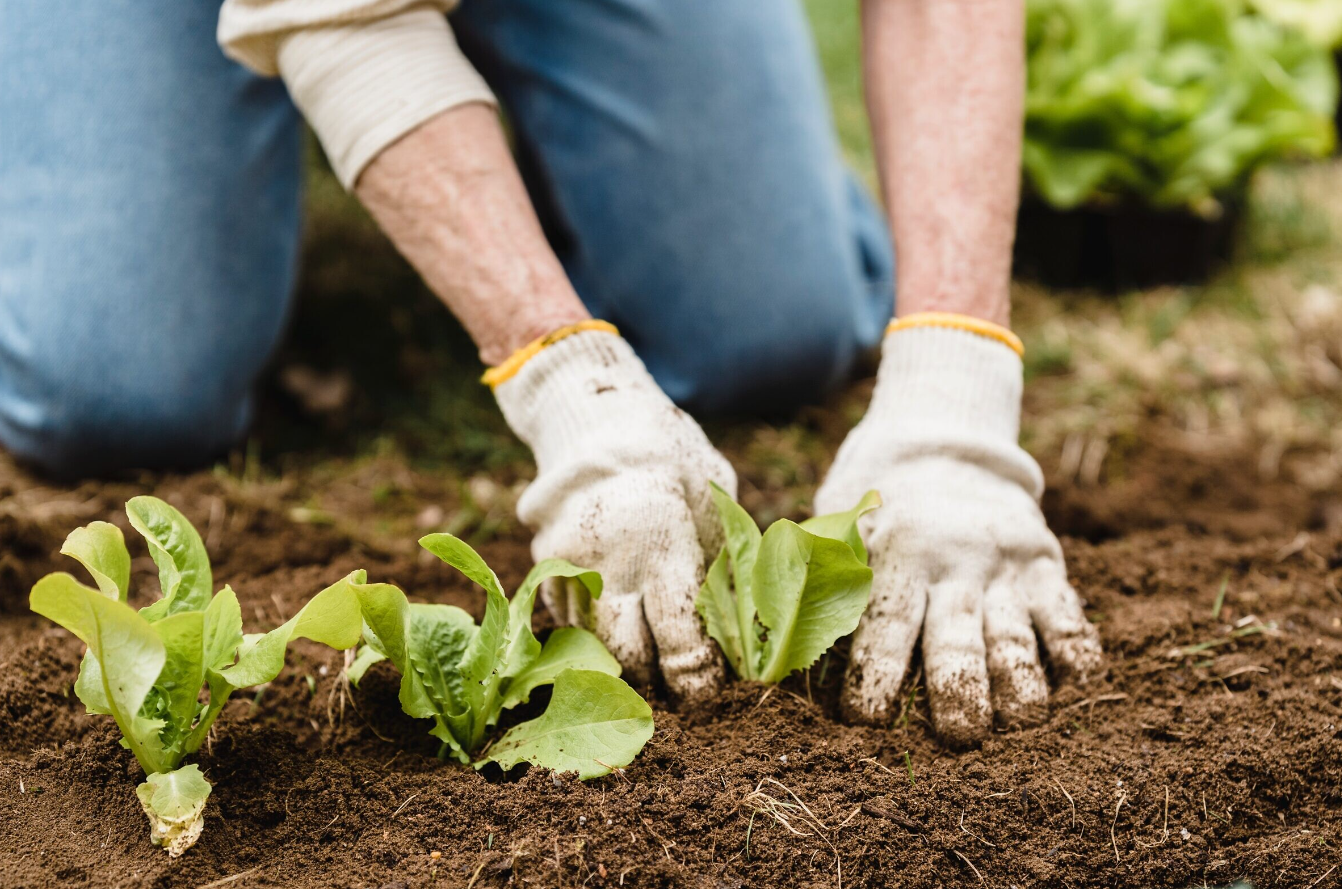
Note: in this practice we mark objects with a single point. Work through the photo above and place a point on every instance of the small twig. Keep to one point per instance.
(1321, 879)
(238, 876)
(1297, 545)
(404, 804)
(764, 697)
(1113, 837)
(614, 770)
(971, 866)
(1220, 596)
(971, 833)
(877, 763)
(1165, 831)
(1101, 699)
(1070, 801)
(1252, 668)
(667, 845)
(475, 876)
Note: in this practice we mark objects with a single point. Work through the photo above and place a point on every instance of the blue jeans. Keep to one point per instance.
(680, 153)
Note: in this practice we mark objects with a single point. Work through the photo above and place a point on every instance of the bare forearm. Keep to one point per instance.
(945, 89)
(450, 198)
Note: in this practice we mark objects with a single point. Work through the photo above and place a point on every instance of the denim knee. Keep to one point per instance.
(90, 427)
(149, 203)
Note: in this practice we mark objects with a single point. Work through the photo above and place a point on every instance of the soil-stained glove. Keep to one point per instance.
(960, 550)
(622, 487)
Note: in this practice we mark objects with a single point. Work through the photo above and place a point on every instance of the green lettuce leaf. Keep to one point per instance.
(459, 555)
(222, 630)
(145, 669)
(566, 648)
(522, 647)
(717, 605)
(595, 723)
(1172, 103)
(775, 602)
(177, 550)
(440, 643)
(743, 544)
(463, 676)
(1319, 20)
(101, 549)
(810, 591)
(843, 525)
(331, 617)
(177, 687)
(367, 656)
(129, 656)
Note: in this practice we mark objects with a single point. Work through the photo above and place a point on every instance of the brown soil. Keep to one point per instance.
(1166, 771)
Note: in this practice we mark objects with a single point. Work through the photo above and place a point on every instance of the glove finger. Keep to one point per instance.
(956, 661)
(690, 661)
(1073, 643)
(617, 619)
(708, 525)
(882, 646)
(1019, 689)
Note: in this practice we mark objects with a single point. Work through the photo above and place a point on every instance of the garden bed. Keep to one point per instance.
(1205, 767)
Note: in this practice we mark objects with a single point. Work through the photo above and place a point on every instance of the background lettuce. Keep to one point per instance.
(1319, 20)
(1172, 103)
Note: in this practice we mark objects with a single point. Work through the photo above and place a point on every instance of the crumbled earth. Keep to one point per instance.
(1208, 751)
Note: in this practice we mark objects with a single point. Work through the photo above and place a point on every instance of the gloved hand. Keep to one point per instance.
(622, 487)
(960, 549)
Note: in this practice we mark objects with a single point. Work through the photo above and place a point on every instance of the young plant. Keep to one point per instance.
(775, 602)
(463, 677)
(146, 669)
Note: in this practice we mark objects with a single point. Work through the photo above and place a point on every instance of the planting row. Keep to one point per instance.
(774, 602)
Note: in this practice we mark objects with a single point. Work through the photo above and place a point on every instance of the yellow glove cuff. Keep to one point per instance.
(966, 323)
(508, 368)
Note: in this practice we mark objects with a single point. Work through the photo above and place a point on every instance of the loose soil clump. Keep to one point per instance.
(1208, 750)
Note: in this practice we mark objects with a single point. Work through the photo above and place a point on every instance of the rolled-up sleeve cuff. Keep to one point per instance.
(363, 86)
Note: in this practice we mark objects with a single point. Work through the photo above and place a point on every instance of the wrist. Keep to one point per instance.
(508, 337)
(450, 197)
(940, 381)
(958, 321)
(925, 294)
(561, 393)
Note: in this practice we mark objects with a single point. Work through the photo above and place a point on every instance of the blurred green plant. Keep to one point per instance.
(1172, 103)
(1319, 20)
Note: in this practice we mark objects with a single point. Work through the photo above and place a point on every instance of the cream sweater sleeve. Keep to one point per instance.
(363, 72)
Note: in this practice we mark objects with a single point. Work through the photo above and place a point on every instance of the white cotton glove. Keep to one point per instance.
(622, 487)
(960, 549)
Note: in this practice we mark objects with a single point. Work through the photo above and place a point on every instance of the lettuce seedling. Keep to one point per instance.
(463, 676)
(146, 669)
(775, 602)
